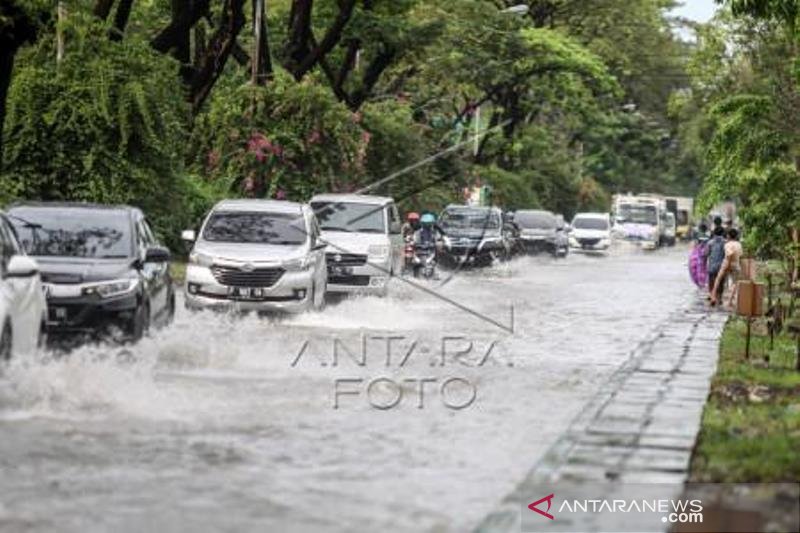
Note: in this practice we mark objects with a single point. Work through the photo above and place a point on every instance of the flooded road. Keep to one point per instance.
(302, 424)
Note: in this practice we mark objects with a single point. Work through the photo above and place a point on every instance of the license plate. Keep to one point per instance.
(341, 270)
(245, 293)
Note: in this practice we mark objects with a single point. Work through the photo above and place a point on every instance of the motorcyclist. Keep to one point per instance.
(425, 243)
(411, 225)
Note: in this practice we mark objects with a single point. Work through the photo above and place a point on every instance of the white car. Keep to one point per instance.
(590, 231)
(256, 255)
(365, 246)
(23, 308)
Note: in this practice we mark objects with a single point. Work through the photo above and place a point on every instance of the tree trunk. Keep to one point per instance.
(102, 8)
(371, 76)
(299, 33)
(219, 48)
(189, 12)
(329, 40)
(121, 19)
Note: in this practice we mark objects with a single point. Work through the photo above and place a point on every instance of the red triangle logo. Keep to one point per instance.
(545, 513)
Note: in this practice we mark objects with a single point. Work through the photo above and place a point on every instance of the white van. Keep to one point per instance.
(590, 231)
(365, 246)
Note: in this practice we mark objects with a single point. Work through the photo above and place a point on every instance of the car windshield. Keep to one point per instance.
(470, 219)
(533, 220)
(255, 228)
(73, 232)
(638, 214)
(590, 223)
(350, 216)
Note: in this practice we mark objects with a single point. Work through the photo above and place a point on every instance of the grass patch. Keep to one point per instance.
(178, 271)
(751, 423)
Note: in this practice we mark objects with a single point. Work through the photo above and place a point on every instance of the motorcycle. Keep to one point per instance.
(425, 261)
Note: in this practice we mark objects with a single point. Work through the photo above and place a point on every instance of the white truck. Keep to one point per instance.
(640, 219)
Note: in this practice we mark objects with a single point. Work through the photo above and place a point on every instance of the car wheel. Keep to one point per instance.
(140, 324)
(41, 341)
(6, 342)
(170, 310)
(318, 298)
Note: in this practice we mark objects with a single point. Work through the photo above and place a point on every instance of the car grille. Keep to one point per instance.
(589, 242)
(346, 259)
(237, 277)
(356, 281)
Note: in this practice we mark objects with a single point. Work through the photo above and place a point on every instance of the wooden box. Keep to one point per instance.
(750, 299)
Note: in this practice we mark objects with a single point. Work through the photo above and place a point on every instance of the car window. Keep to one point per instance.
(394, 216)
(74, 232)
(590, 223)
(350, 216)
(255, 228)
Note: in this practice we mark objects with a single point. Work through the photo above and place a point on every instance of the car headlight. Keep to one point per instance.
(200, 259)
(107, 289)
(378, 251)
(301, 263)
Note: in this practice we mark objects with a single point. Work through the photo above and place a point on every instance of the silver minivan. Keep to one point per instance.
(257, 255)
(364, 241)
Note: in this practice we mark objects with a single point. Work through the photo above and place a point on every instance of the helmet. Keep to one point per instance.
(428, 218)
(412, 217)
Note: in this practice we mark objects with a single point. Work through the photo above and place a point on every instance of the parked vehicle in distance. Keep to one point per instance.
(684, 207)
(540, 232)
(365, 247)
(104, 271)
(591, 231)
(562, 235)
(474, 235)
(23, 308)
(670, 230)
(256, 255)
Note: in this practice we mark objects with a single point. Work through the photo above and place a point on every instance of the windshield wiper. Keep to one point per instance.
(285, 242)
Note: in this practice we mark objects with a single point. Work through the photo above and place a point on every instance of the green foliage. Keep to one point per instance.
(106, 125)
(288, 139)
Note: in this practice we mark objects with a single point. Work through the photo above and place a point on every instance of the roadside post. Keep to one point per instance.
(749, 304)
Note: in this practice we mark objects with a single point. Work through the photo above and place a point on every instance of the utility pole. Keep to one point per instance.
(261, 63)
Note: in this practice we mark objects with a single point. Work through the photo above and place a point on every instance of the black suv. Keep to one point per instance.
(104, 272)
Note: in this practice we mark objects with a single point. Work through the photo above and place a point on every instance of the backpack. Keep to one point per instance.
(716, 253)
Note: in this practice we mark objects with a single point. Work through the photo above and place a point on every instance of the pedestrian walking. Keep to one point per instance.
(731, 268)
(715, 257)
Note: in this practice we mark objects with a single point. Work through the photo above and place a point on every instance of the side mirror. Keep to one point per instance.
(395, 228)
(157, 254)
(188, 235)
(21, 266)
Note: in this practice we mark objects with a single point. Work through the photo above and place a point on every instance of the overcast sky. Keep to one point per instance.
(699, 10)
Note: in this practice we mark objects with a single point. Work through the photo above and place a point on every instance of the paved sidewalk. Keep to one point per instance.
(642, 425)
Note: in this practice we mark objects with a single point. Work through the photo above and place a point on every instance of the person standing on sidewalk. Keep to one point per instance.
(731, 267)
(715, 256)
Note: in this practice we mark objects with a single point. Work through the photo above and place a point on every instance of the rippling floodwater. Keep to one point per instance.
(229, 423)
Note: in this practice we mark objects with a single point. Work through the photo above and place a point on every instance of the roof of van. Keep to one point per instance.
(266, 206)
(353, 199)
(592, 215)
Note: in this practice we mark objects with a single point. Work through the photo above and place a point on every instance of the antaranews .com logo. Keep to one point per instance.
(568, 507)
(674, 511)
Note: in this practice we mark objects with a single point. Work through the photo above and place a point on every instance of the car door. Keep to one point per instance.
(317, 251)
(396, 243)
(155, 274)
(22, 297)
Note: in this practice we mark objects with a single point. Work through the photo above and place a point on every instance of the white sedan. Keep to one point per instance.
(23, 307)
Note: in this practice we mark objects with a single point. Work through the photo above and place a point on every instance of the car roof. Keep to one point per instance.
(462, 207)
(591, 215)
(260, 206)
(536, 212)
(90, 206)
(353, 198)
